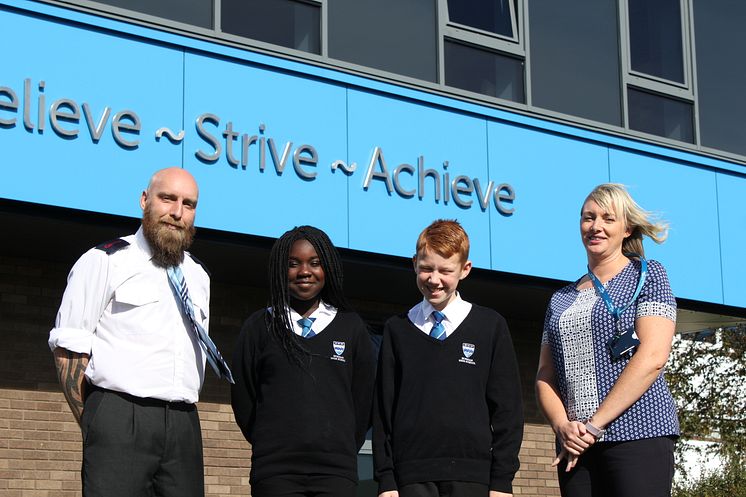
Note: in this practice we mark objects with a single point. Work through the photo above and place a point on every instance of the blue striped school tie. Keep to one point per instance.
(179, 286)
(438, 330)
(306, 324)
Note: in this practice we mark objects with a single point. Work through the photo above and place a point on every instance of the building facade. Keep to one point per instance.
(368, 119)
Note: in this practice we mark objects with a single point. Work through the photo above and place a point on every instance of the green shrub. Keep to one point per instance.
(727, 481)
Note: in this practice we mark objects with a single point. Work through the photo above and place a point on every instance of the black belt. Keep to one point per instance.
(143, 401)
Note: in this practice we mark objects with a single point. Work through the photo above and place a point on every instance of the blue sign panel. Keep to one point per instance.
(551, 175)
(78, 115)
(261, 145)
(408, 157)
(731, 192)
(685, 197)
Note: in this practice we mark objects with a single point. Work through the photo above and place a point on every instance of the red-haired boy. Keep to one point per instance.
(448, 418)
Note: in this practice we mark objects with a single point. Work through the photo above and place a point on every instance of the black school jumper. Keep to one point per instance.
(448, 410)
(304, 421)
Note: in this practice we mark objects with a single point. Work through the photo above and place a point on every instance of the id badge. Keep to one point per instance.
(622, 343)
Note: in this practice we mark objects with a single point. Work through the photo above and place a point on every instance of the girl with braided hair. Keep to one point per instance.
(304, 370)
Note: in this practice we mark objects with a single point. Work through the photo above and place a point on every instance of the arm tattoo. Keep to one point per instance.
(70, 369)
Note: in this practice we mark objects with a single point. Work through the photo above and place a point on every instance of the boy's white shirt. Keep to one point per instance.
(323, 315)
(455, 313)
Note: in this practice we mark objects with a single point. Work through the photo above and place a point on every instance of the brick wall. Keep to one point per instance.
(536, 477)
(40, 443)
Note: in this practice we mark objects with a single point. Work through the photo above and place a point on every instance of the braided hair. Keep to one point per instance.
(278, 322)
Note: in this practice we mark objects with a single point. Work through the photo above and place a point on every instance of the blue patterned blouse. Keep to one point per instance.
(577, 327)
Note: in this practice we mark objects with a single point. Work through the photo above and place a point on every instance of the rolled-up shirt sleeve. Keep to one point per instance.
(85, 298)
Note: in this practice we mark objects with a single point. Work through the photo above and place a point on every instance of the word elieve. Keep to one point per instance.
(64, 116)
(70, 120)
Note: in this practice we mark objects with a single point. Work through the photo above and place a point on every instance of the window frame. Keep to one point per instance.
(454, 29)
(684, 92)
(514, 47)
(640, 78)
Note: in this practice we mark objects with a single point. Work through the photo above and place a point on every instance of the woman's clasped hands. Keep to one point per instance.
(574, 439)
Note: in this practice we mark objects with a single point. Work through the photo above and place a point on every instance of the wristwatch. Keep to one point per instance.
(596, 432)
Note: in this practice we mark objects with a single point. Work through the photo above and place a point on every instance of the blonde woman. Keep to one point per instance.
(606, 340)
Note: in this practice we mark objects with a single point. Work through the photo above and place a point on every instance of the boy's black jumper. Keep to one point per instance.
(448, 410)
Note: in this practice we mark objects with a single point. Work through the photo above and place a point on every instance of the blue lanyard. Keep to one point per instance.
(617, 311)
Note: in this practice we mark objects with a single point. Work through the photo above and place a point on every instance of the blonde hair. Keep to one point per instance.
(613, 197)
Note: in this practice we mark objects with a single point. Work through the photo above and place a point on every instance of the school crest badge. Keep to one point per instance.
(468, 350)
(339, 349)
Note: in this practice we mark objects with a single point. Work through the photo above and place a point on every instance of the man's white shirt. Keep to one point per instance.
(120, 309)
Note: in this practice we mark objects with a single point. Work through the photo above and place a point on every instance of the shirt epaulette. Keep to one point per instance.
(112, 245)
(200, 263)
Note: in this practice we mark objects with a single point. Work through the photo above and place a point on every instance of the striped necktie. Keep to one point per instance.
(438, 330)
(305, 324)
(179, 286)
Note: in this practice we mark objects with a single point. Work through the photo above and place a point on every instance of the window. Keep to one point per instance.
(655, 39)
(287, 23)
(496, 17)
(659, 115)
(660, 100)
(483, 71)
(482, 48)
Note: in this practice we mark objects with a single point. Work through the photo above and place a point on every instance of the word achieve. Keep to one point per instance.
(460, 189)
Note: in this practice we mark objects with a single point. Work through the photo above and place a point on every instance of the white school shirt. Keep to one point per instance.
(324, 315)
(421, 315)
(120, 309)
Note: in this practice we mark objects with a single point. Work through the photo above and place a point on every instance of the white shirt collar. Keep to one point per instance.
(457, 307)
(455, 313)
(322, 316)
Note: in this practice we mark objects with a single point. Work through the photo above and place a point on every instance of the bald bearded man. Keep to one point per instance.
(129, 355)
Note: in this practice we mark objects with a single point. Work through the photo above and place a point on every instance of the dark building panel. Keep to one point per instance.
(286, 23)
(194, 12)
(391, 35)
(720, 40)
(574, 57)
